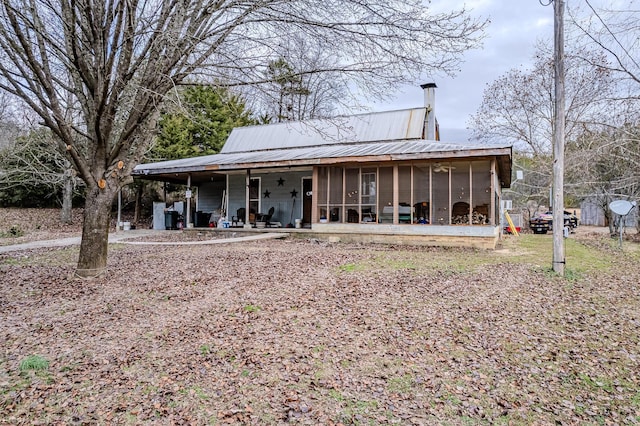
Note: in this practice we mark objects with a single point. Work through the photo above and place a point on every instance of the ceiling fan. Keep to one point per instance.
(438, 168)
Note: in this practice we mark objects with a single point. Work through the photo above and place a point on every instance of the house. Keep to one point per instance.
(377, 177)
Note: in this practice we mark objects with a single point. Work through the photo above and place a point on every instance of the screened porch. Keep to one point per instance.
(418, 192)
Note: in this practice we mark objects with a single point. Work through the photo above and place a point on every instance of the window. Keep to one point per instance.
(368, 188)
(422, 194)
(460, 193)
(481, 194)
(385, 195)
(336, 194)
(441, 195)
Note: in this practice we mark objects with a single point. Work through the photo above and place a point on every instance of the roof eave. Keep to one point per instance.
(502, 151)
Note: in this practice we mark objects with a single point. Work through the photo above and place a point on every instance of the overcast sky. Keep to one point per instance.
(511, 36)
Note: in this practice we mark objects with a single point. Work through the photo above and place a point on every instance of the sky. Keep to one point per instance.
(511, 36)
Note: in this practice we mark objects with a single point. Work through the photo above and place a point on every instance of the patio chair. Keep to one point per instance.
(266, 217)
(239, 217)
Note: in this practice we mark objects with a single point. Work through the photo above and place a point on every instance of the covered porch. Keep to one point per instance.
(370, 178)
(443, 202)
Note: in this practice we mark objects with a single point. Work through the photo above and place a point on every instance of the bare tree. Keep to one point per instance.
(606, 166)
(614, 152)
(31, 166)
(9, 127)
(294, 90)
(518, 106)
(614, 31)
(532, 191)
(116, 60)
(22, 141)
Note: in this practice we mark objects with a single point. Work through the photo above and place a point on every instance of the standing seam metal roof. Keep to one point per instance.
(381, 126)
(389, 135)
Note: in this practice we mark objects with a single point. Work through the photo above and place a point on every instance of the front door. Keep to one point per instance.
(254, 198)
(307, 197)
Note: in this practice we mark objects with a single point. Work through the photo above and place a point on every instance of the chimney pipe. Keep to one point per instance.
(430, 104)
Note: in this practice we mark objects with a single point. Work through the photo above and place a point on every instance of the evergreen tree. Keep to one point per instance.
(201, 125)
(290, 88)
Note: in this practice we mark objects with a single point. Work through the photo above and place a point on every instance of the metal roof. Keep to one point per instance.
(381, 126)
(376, 137)
(344, 152)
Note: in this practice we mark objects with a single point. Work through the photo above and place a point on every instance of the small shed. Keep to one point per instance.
(592, 214)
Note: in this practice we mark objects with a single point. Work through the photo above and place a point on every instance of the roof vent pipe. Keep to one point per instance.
(430, 104)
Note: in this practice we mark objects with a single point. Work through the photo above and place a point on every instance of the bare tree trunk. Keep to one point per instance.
(92, 262)
(136, 212)
(67, 195)
(608, 218)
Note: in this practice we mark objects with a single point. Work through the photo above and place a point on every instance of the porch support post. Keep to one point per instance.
(188, 215)
(314, 197)
(246, 198)
(343, 209)
(413, 201)
(450, 202)
(492, 220)
(431, 193)
(470, 193)
(396, 195)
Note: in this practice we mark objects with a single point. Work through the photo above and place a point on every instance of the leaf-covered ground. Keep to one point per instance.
(25, 225)
(306, 332)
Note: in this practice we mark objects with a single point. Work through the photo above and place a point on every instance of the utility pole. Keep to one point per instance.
(557, 188)
(558, 141)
